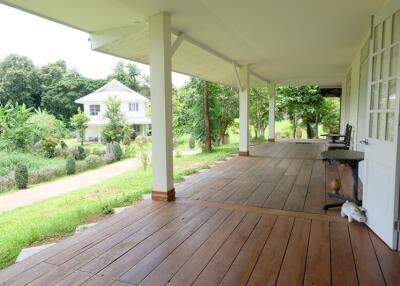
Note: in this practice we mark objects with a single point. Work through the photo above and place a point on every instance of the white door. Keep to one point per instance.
(381, 195)
(362, 106)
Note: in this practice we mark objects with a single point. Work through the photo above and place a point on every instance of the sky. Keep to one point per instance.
(44, 41)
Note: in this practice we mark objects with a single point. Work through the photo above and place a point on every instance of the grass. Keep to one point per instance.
(9, 161)
(60, 216)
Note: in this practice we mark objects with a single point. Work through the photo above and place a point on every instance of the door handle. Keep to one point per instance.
(365, 141)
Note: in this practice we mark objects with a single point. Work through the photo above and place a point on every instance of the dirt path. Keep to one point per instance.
(64, 185)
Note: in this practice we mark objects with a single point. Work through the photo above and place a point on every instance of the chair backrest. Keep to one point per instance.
(347, 135)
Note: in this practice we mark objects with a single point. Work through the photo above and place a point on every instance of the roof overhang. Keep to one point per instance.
(286, 42)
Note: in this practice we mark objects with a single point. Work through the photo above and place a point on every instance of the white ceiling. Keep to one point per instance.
(284, 41)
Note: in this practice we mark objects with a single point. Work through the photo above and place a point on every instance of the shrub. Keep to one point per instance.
(81, 166)
(130, 151)
(144, 158)
(108, 158)
(21, 176)
(93, 161)
(178, 154)
(59, 152)
(117, 152)
(7, 183)
(192, 142)
(49, 144)
(63, 145)
(46, 174)
(97, 151)
(70, 166)
(79, 153)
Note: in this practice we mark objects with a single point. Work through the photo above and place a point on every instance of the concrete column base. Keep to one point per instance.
(244, 153)
(163, 196)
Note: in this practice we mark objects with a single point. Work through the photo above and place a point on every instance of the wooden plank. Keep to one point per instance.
(211, 189)
(84, 238)
(269, 263)
(146, 265)
(389, 260)
(343, 267)
(163, 273)
(278, 197)
(261, 193)
(294, 167)
(292, 270)
(146, 227)
(29, 275)
(192, 268)
(241, 269)
(304, 173)
(316, 189)
(245, 189)
(75, 278)
(151, 235)
(220, 263)
(367, 265)
(318, 265)
(296, 198)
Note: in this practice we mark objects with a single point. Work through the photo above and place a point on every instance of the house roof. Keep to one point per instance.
(114, 88)
(286, 42)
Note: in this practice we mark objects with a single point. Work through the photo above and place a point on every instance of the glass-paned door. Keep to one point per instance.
(380, 196)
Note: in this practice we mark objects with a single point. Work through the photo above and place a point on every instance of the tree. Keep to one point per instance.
(207, 127)
(259, 110)
(45, 125)
(128, 74)
(59, 98)
(226, 109)
(19, 81)
(116, 128)
(79, 122)
(330, 115)
(301, 103)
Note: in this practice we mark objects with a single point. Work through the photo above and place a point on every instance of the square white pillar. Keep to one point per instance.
(244, 110)
(161, 105)
(271, 112)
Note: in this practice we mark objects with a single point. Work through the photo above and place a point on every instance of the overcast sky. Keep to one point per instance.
(45, 41)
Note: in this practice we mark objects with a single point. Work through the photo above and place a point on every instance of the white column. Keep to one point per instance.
(244, 110)
(271, 113)
(161, 105)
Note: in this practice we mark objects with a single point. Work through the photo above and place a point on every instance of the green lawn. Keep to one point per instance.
(60, 216)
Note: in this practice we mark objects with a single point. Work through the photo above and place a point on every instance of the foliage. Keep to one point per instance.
(19, 81)
(130, 150)
(79, 122)
(302, 104)
(49, 144)
(45, 125)
(330, 115)
(128, 74)
(70, 166)
(141, 142)
(15, 132)
(59, 98)
(21, 176)
(258, 110)
(188, 110)
(116, 128)
(117, 152)
(192, 142)
(93, 161)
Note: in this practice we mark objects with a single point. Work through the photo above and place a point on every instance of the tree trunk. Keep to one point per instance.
(294, 126)
(309, 131)
(316, 126)
(207, 129)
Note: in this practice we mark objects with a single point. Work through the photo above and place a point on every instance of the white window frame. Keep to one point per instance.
(94, 109)
(133, 107)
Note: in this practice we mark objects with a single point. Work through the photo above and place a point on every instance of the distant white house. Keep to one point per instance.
(133, 106)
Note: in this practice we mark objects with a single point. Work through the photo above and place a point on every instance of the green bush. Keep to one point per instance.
(7, 183)
(79, 153)
(93, 161)
(21, 176)
(46, 174)
(97, 151)
(117, 152)
(63, 145)
(130, 151)
(108, 158)
(192, 142)
(49, 144)
(70, 166)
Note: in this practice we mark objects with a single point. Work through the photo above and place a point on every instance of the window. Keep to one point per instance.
(94, 109)
(133, 107)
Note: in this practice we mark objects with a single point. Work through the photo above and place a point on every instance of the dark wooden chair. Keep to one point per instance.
(345, 143)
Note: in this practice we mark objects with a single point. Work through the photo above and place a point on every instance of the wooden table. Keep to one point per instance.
(351, 158)
(334, 137)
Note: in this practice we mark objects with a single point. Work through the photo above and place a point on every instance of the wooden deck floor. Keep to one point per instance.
(202, 242)
(284, 176)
